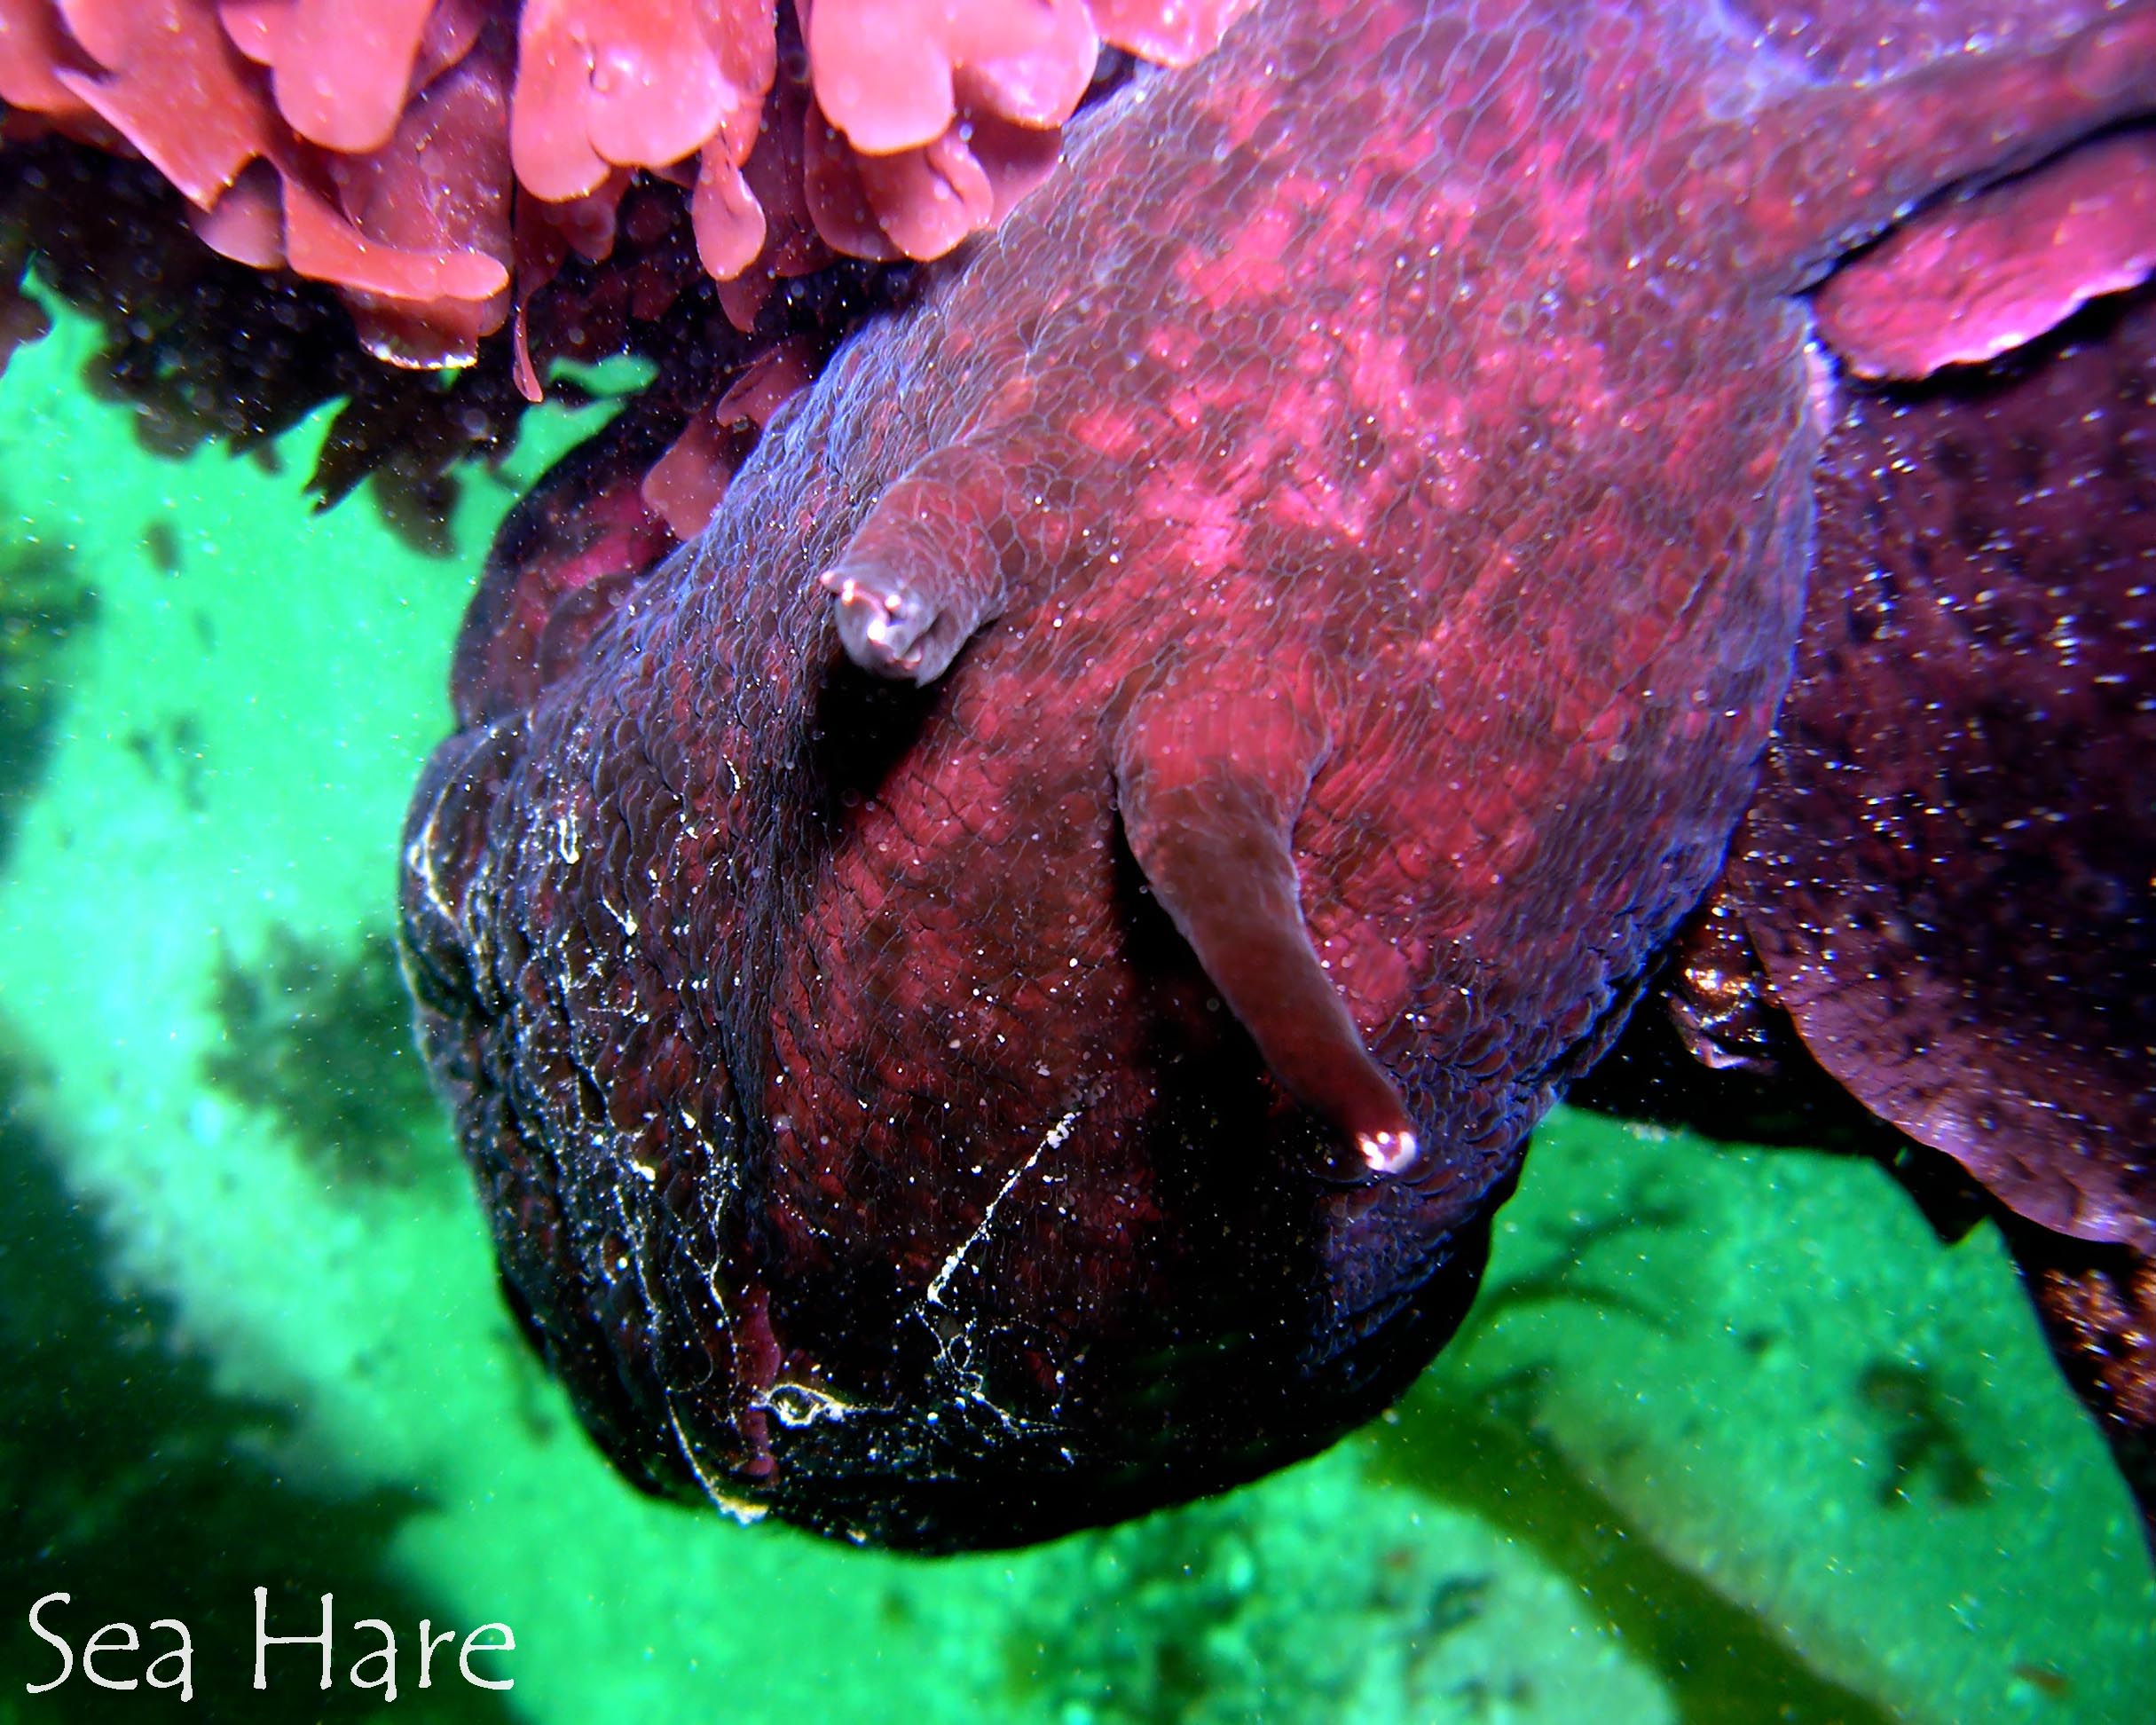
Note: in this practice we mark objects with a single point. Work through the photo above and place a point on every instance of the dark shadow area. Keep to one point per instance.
(133, 1484)
(1649, 1075)
(321, 1040)
(1926, 1455)
(2097, 1301)
(44, 602)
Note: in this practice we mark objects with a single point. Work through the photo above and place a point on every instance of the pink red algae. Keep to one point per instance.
(438, 162)
(421, 155)
(1001, 986)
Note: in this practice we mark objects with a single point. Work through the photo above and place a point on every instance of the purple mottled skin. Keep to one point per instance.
(1945, 872)
(1001, 986)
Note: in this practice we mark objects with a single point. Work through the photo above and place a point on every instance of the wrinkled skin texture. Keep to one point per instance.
(1369, 493)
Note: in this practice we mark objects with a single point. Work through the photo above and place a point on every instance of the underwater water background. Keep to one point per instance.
(1731, 1435)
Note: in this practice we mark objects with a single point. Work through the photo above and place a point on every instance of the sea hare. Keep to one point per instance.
(1001, 986)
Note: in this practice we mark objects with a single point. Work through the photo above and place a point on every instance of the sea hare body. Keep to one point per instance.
(1946, 870)
(1000, 987)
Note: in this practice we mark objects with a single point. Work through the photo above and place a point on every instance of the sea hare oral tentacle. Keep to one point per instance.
(1210, 783)
(885, 622)
(927, 569)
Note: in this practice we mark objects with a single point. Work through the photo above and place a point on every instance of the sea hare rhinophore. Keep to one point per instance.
(1001, 986)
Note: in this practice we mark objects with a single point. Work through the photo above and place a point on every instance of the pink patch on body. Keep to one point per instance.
(1203, 526)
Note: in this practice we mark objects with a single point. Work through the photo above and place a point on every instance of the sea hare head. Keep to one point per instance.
(863, 1142)
(887, 1162)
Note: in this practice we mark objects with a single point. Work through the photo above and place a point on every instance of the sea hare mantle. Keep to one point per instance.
(1001, 986)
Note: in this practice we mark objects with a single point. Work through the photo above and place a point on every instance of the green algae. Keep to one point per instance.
(321, 1040)
(1731, 1436)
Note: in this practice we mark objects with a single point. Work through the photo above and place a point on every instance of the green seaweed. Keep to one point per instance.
(320, 1039)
